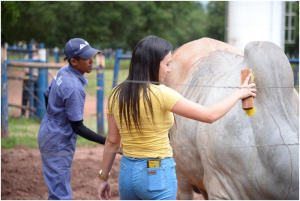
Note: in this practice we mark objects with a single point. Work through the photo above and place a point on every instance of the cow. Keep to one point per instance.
(238, 156)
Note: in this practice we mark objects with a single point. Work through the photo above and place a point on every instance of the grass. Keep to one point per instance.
(23, 131)
(108, 80)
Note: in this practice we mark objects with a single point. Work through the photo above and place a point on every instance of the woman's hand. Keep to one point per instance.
(246, 89)
(104, 190)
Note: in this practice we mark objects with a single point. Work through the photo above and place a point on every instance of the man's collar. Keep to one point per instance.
(79, 75)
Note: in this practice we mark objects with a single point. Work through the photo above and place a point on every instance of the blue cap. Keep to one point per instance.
(79, 47)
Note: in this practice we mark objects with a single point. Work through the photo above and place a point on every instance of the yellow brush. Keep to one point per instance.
(248, 103)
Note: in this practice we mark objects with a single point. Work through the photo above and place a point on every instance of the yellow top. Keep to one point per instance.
(153, 142)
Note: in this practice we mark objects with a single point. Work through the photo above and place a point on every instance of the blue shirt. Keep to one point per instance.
(66, 97)
(66, 94)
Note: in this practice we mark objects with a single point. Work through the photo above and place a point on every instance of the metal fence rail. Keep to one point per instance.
(296, 71)
(42, 84)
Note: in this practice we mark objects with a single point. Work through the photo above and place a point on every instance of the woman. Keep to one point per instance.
(140, 112)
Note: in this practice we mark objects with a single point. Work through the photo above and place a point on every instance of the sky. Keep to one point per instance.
(204, 1)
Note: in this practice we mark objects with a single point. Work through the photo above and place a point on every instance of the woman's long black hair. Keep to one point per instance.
(144, 66)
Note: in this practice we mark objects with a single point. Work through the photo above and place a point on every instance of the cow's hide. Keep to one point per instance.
(236, 157)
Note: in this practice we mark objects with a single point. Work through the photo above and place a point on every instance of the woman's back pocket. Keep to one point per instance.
(154, 179)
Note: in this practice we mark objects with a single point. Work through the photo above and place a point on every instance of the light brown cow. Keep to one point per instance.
(237, 157)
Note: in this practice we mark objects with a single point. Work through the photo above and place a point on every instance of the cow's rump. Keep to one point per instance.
(237, 157)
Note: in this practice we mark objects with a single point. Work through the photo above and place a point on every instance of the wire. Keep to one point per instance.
(178, 84)
(174, 150)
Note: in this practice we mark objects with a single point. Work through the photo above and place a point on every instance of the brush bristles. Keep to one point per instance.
(252, 111)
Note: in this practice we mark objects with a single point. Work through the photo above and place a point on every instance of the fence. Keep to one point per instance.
(296, 71)
(118, 58)
(42, 83)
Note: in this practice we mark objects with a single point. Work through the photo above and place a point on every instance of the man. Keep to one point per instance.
(63, 122)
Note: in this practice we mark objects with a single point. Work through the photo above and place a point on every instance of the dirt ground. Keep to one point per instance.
(21, 167)
(22, 176)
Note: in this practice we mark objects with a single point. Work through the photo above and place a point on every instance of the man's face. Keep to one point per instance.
(83, 65)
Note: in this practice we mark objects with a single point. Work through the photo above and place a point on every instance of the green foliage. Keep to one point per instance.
(11, 13)
(293, 49)
(216, 20)
(115, 24)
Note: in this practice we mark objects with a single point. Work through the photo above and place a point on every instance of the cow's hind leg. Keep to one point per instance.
(204, 194)
(185, 189)
(196, 189)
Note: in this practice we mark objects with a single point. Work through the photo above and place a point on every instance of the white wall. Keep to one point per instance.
(255, 21)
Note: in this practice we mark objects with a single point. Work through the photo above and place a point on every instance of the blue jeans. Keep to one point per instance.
(137, 183)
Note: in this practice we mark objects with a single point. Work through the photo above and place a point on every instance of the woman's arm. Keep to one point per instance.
(191, 110)
(110, 149)
(111, 145)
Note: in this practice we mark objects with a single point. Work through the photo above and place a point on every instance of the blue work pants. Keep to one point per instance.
(57, 152)
(137, 182)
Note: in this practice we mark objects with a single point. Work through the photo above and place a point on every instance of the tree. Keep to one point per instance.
(293, 49)
(13, 21)
(109, 24)
(193, 26)
(216, 20)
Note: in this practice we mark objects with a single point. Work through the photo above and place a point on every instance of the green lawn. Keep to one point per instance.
(23, 131)
(108, 80)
